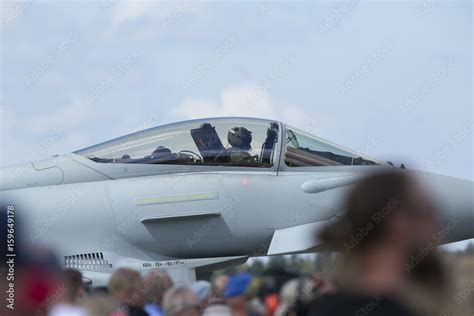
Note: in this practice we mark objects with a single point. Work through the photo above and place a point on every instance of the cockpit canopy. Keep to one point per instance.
(227, 142)
(243, 142)
(305, 150)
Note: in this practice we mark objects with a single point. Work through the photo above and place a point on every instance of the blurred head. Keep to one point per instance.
(156, 284)
(202, 290)
(127, 286)
(180, 301)
(237, 284)
(100, 305)
(235, 290)
(73, 285)
(388, 208)
(37, 281)
(36, 269)
(218, 286)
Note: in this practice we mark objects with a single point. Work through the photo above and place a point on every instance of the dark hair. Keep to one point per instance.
(369, 203)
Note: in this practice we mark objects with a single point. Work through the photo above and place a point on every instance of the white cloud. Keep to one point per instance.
(11, 10)
(130, 10)
(166, 11)
(65, 118)
(40, 136)
(250, 101)
(237, 100)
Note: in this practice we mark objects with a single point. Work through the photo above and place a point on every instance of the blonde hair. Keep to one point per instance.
(122, 282)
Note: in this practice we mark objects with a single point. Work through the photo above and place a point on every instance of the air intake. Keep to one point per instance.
(88, 261)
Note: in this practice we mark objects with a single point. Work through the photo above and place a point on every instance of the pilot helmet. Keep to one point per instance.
(240, 137)
(161, 152)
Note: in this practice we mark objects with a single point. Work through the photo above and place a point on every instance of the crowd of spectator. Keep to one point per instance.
(131, 294)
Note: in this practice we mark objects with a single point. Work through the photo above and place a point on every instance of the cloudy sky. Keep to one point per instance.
(392, 79)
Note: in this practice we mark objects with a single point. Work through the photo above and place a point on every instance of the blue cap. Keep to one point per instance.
(237, 284)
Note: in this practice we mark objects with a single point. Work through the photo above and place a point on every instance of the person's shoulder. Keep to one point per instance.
(341, 304)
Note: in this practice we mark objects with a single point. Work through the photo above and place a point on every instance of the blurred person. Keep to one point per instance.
(271, 303)
(127, 286)
(72, 289)
(100, 304)
(240, 140)
(255, 303)
(388, 218)
(218, 286)
(269, 291)
(297, 294)
(36, 283)
(273, 280)
(202, 290)
(462, 300)
(235, 291)
(30, 278)
(217, 304)
(156, 284)
(181, 301)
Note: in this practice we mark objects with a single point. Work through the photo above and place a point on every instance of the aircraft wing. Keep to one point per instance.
(296, 239)
(302, 238)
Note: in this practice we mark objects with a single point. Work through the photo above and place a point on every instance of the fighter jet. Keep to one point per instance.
(196, 196)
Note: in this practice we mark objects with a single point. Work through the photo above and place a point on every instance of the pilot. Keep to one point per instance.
(240, 138)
